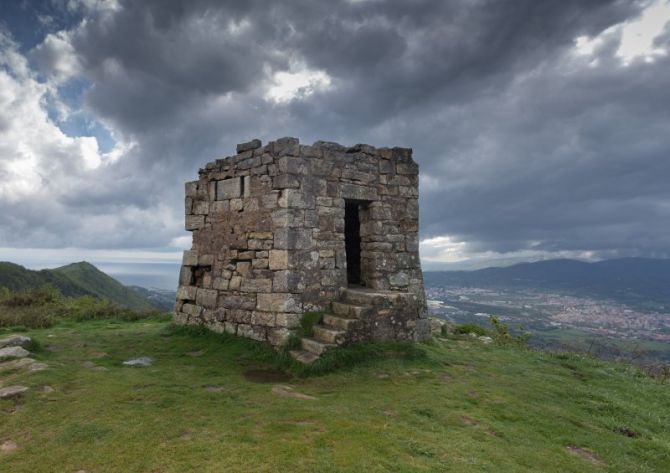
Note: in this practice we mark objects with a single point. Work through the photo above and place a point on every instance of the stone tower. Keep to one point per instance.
(282, 229)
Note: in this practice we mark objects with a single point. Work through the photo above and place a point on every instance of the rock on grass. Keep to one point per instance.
(11, 392)
(13, 352)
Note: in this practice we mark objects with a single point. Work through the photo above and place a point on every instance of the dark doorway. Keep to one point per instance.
(352, 241)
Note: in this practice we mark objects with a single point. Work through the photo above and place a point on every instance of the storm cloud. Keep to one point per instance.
(536, 131)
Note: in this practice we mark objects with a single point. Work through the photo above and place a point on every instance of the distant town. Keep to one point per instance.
(558, 319)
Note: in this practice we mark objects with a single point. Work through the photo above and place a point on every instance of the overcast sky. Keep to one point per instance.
(542, 128)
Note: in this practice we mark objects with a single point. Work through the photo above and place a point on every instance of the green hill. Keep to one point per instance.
(214, 403)
(73, 280)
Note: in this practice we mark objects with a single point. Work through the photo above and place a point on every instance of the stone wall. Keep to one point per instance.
(268, 233)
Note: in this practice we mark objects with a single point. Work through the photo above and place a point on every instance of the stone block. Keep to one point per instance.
(236, 205)
(220, 207)
(386, 166)
(220, 284)
(292, 165)
(260, 235)
(259, 244)
(205, 260)
(186, 275)
(190, 258)
(191, 189)
(295, 199)
(278, 302)
(235, 283)
(253, 332)
(407, 168)
(287, 218)
(186, 293)
(288, 281)
(260, 263)
(278, 337)
(358, 192)
(229, 189)
(200, 207)
(192, 310)
(249, 145)
(240, 316)
(230, 327)
(206, 298)
(266, 319)
(256, 285)
(278, 259)
(194, 222)
(293, 239)
(288, 320)
(287, 146)
(400, 279)
(270, 200)
(243, 268)
(246, 184)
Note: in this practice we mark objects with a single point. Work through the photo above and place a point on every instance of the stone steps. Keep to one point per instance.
(337, 321)
(345, 314)
(315, 346)
(303, 356)
(329, 334)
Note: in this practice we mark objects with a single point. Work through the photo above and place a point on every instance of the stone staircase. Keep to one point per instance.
(339, 324)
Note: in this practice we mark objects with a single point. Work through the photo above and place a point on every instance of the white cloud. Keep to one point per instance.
(446, 252)
(35, 154)
(56, 58)
(636, 36)
(298, 84)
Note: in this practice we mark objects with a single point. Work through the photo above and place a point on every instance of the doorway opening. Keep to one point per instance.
(352, 241)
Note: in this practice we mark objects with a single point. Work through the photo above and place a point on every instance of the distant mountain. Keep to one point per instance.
(161, 298)
(641, 282)
(76, 279)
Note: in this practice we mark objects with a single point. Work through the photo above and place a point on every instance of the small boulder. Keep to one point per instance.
(13, 352)
(287, 391)
(11, 392)
(8, 446)
(436, 326)
(16, 364)
(15, 341)
(485, 340)
(142, 361)
(37, 366)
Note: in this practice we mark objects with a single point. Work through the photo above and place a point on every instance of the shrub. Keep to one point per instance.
(466, 329)
(41, 308)
(502, 336)
(30, 297)
(307, 322)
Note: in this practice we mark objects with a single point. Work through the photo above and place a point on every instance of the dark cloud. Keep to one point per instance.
(522, 144)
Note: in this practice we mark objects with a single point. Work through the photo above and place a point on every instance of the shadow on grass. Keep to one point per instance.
(341, 358)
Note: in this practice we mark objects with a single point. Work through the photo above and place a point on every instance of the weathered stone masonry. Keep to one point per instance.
(269, 240)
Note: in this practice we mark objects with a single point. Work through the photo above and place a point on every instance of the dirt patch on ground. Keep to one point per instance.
(585, 454)
(630, 433)
(266, 376)
(469, 421)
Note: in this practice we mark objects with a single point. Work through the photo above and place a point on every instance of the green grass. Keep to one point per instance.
(450, 405)
(45, 306)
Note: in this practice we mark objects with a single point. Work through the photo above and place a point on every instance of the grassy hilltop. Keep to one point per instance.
(207, 405)
(73, 280)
